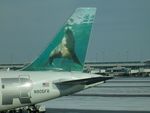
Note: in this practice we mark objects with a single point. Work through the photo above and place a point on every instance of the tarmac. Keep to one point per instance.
(119, 95)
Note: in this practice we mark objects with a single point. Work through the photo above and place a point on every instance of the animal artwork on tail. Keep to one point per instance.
(66, 48)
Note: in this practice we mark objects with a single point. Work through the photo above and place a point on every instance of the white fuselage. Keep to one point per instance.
(24, 88)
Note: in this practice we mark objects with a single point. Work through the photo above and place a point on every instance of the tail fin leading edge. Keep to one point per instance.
(68, 49)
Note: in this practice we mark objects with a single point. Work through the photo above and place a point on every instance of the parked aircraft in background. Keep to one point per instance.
(56, 72)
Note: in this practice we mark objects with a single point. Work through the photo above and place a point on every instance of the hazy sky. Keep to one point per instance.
(121, 31)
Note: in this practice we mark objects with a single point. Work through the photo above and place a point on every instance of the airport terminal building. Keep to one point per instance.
(132, 68)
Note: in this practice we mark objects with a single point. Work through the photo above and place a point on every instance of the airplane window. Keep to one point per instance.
(3, 86)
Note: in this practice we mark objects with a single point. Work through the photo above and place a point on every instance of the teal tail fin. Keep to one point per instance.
(68, 49)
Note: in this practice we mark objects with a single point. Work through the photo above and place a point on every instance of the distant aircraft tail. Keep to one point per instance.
(68, 49)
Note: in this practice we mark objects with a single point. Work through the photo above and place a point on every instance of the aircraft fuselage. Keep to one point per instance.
(24, 88)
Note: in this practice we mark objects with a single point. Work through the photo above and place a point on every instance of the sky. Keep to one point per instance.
(121, 31)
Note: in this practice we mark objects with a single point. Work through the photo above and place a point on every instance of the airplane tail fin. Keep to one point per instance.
(68, 49)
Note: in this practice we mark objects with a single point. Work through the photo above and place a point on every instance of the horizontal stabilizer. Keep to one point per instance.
(86, 81)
